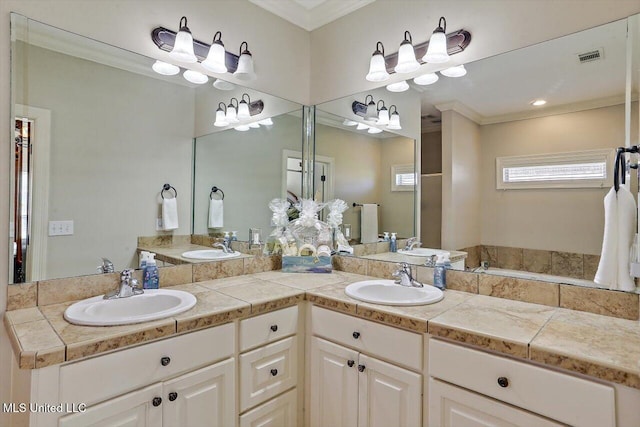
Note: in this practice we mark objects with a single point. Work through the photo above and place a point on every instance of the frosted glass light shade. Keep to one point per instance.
(243, 111)
(242, 128)
(394, 122)
(362, 126)
(266, 122)
(223, 85)
(215, 61)
(254, 125)
(374, 130)
(407, 62)
(348, 122)
(437, 50)
(457, 71)
(221, 119)
(377, 68)
(231, 114)
(398, 87)
(383, 117)
(372, 113)
(165, 69)
(426, 79)
(245, 65)
(183, 46)
(195, 77)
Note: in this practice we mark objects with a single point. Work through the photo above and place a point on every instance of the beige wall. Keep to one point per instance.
(396, 207)
(460, 181)
(569, 220)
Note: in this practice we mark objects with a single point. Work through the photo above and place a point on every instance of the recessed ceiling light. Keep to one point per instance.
(538, 102)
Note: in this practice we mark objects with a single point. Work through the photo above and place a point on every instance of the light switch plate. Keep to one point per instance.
(159, 224)
(60, 228)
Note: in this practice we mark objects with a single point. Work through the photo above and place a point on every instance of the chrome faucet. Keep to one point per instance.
(106, 267)
(128, 286)
(411, 243)
(405, 277)
(224, 246)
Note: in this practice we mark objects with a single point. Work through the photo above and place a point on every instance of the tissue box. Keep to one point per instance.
(306, 264)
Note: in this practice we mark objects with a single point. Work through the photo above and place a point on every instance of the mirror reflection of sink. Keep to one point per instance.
(387, 292)
(423, 252)
(210, 254)
(153, 304)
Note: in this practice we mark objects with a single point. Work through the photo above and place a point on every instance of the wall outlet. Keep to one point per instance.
(60, 228)
(159, 224)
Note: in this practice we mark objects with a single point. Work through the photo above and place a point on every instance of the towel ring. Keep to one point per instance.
(168, 187)
(215, 189)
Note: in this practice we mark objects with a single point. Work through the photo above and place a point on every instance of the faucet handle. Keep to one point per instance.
(126, 274)
(404, 266)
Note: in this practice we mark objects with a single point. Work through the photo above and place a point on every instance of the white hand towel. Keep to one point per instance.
(169, 214)
(619, 227)
(369, 223)
(216, 214)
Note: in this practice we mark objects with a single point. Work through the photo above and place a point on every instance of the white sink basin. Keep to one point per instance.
(153, 304)
(386, 292)
(425, 252)
(210, 254)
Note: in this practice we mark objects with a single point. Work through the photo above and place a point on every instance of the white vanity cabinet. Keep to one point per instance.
(269, 367)
(473, 388)
(352, 386)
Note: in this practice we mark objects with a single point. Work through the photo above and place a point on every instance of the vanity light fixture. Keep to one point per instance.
(243, 108)
(223, 85)
(221, 116)
(457, 71)
(348, 122)
(245, 64)
(183, 47)
(362, 126)
(371, 114)
(374, 130)
(407, 61)
(437, 50)
(426, 79)
(242, 128)
(254, 125)
(216, 58)
(195, 77)
(165, 68)
(232, 112)
(377, 66)
(383, 115)
(266, 122)
(398, 87)
(394, 120)
(538, 102)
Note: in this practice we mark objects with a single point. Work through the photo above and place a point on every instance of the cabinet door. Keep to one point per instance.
(388, 395)
(334, 385)
(278, 412)
(451, 406)
(205, 397)
(135, 409)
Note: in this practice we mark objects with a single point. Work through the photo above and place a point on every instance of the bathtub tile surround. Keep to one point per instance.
(519, 289)
(510, 258)
(567, 264)
(600, 301)
(536, 261)
(22, 295)
(590, 265)
(571, 332)
(462, 281)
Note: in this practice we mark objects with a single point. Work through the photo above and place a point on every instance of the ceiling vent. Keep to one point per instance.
(593, 55)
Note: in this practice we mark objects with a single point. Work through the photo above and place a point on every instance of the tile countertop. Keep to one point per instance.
(590, 344)
(173, 254)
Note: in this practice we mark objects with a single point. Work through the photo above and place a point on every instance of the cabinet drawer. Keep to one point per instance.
(102, 377)
(268, 371)
(389, 343)
(268, 327)
(278, 412)
(561, 397)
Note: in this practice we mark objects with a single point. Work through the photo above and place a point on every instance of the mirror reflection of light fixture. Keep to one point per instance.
(437, 50)
(426, 79)
(221, 116)
(362, 126)
(183, 47)
(223, 85)
(407, 61)
(195, 77)
(243, 108)
(383, 115)
(374, 130)
(232, 112)
(242, 128)
(372, 111)
(216, 58)
(165, 68)
(457, 71)
(254, 125)
(538, 102)
(398, 87)
(266, 122)
(245, 64)
(394, 120)
(348, 122)
(377, 66)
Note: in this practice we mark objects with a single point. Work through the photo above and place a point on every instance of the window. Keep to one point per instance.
(403, 178)
(584, 169)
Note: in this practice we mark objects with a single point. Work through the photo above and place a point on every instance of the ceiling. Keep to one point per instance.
(311, 14)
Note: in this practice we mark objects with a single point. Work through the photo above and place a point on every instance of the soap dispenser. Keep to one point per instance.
(440, 273)
(150, 275)
(386, 236)
(234, 236)
(393, 245)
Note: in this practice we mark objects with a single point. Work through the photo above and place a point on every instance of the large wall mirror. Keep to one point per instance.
(98, 134)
